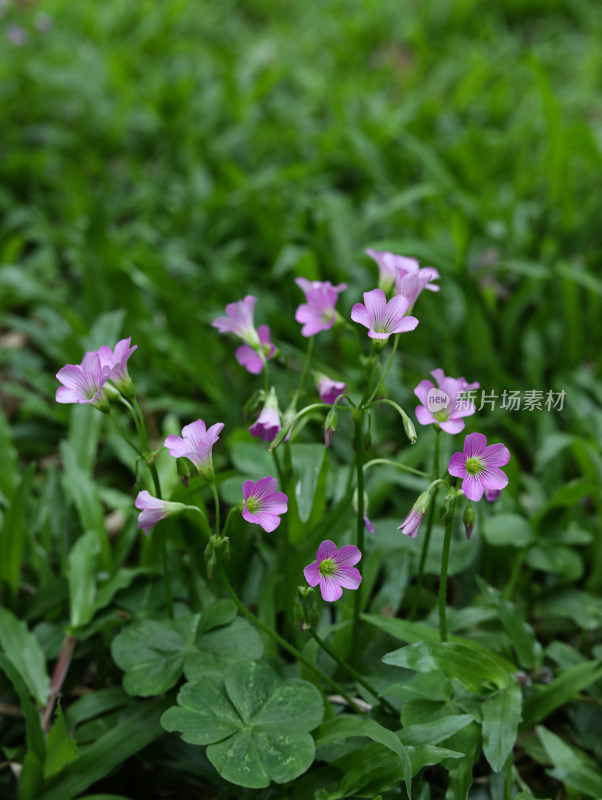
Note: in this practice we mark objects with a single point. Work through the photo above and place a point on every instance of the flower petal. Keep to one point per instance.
(472, 487)
(422, 390)
(457, 465)
(452, 425)
(474, 444)
(330, 589)
(312, 573)
(424, 416)
(327, 549)
(494, 478)
(249, 358)
(347, 556)
(348, 577)
(496, 455)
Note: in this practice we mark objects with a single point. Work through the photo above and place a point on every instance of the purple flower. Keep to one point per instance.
(267, 424)
(411, 524)
(318, 313)
(334, 570)
(492, 494)
(117, 362)
(154, 510)
(368, 523)
(263, 505)
(411, 284)
(394, 268)
(328, 389)
(382, 318)
(16, 35)
(479, 466)
(239, 321)
(82, 383)
(253, 360)
(196, 445)
(446, 405)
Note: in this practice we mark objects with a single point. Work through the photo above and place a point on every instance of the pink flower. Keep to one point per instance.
(394, 268)
(267, 424)
(82, 383)
(154, 510)
(411, 524)
(368, 523)
(252, 359)
(263, 505)
(383, 318)
(196, 445)
(411, 284)
(446, 405)
(491, 495)
(479, 466)
(328, 389)
(334, 570)
(117, 362)
(318, 313)
(239, 321)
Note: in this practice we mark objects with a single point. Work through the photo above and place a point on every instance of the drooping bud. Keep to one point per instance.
(469, 519)
(411, 524)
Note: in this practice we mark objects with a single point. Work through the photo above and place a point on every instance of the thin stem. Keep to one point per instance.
(427, 536)
(124, 435)
(282, 642)
(387, 368)
(359, 458)
(266, 375)
(444, 566)
(216, 500)
(390, 463)
(370, 379)
(310, 347)
(58, 677)
(352, 672)
(227, 522)
(155, 477)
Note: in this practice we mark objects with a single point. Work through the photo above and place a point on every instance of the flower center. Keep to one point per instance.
(327, 567)
(442, 415)
(253, 505)
(474, 465)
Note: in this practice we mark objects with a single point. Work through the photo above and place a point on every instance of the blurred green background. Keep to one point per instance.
(160, 159)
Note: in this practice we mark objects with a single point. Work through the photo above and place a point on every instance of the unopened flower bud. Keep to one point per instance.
(331, 424)
(411, 524)
(469, 519)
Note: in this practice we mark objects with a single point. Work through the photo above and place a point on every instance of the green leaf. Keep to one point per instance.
(60, 748)
(256, 724)
(571, 766)
(81, 575)
(501, 716)
(25, 654)
(34, 737)
(507, 529)
(14, 530)
(564, 688)
(560, 560)
(9, 475)
(428, 685)
(344, 727)
(307, 464)
(520, 633)
(31, 777)
(136, 728)
(154, 653)
(454, 660)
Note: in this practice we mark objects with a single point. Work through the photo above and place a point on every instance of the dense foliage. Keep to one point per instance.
(159, 160)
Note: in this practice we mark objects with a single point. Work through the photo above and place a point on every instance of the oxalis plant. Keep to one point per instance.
(260, 690)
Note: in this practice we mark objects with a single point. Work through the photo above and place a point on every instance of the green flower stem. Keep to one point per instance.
(375, 359)
(282, 642)
(216, 501)
(444, 566)
(390, 463)
(427, 536)
(310, 347)
(359, 465)
(232, 511)
(387, 368)
(353, 673)
(124, 435)
(266, 375)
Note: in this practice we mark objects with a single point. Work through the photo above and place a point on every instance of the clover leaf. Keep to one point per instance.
(255, 724)
(154, 653)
